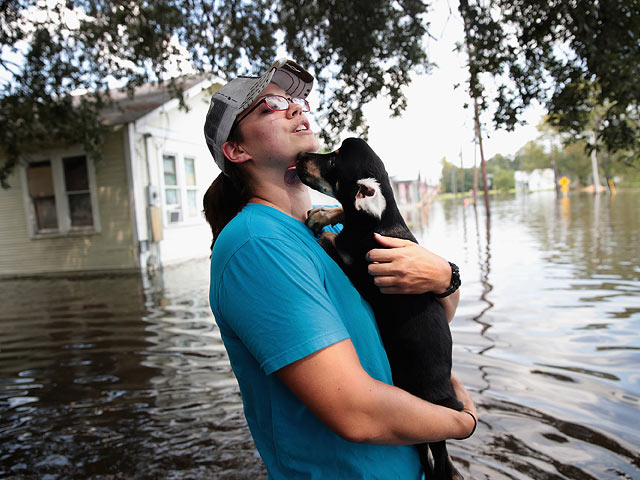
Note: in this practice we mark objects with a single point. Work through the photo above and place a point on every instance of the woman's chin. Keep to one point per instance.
(310, 143)
(315, 145)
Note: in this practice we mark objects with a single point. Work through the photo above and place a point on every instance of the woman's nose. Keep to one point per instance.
(293, 110)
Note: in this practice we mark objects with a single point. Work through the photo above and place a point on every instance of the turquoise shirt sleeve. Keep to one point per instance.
(273, 297)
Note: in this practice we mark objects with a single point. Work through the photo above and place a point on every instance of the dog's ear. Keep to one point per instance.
(369, 197)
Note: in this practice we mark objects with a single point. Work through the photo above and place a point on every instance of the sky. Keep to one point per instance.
(435, 123)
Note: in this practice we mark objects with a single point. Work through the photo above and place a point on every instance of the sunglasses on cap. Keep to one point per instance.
(276, 103)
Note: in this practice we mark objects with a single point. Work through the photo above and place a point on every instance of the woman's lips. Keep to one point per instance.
(302, 127)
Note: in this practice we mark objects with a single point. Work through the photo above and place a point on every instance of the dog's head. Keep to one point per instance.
(354, 175)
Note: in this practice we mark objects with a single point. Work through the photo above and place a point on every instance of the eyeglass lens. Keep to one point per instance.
(277, 102)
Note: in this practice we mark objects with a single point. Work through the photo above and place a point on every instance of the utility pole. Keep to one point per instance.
(454, 182)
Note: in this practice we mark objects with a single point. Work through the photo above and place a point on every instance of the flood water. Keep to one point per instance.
(101, 378)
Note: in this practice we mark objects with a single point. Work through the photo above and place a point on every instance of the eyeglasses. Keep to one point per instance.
(276, 103)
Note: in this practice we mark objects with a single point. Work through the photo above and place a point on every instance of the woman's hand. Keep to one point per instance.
(407, 268)
(463, 395)
(467, 405)
(333, 384)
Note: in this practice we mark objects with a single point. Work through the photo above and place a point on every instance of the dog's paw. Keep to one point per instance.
(455, 473)
(328, 241)
(320, 217)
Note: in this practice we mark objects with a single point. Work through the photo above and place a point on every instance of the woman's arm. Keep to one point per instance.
(405, 267)
(450, 304)
(334, 386)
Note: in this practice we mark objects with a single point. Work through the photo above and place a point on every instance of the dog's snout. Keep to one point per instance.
(304, 156)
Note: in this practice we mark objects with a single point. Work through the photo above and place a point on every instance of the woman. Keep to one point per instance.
(314, 377)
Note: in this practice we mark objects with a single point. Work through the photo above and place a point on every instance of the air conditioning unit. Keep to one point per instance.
(175, 216)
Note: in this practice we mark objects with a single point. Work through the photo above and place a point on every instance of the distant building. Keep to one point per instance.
(138, 208)
(410, 191)
(540, 179)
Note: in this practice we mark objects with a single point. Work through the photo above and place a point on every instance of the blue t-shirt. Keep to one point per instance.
(278, 297)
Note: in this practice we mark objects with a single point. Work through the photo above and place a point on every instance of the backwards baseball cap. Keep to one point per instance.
(239, 93)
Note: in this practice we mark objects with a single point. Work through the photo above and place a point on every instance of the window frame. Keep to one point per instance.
(190, 188)
(182, 188)
(166, 206)
(63, 213)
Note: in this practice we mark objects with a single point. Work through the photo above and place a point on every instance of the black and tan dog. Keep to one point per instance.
(414, 329)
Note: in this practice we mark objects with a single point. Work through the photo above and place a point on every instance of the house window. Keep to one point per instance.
(78, 194)
(43, 196)
(171, 189)
(180, 188)
(60, 195)
(190, 186)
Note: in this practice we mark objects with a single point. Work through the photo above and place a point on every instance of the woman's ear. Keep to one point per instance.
(235, 152)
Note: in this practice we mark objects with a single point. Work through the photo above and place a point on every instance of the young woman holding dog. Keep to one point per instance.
(314, 377)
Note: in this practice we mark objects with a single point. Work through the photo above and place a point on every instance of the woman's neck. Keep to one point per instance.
(294, 201)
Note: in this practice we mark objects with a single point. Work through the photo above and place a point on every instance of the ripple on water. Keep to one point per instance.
(102, 379)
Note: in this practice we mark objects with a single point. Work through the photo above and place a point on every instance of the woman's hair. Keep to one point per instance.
(227, 195)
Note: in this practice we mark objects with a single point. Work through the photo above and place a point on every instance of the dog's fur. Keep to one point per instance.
(414, 329)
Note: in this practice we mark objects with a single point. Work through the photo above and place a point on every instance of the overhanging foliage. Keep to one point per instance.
(579, 58)
(51, 48)
(572, 56)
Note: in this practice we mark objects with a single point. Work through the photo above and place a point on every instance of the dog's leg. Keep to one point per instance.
(455, 474)
(443, 468)
(320, 217)
(427, 465)
(328, 242)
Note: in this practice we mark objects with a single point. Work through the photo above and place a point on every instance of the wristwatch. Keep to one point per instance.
(455, 282)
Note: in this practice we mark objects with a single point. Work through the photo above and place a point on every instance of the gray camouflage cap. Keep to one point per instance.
(234, 97)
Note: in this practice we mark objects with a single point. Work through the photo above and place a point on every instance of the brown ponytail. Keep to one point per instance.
(225, 197)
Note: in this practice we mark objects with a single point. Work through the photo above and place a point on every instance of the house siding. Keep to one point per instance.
(178, 132)
(110, 249)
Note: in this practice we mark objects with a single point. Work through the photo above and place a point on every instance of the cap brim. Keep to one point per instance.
(288, 75)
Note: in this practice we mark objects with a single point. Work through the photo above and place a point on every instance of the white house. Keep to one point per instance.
(137, 208)
(540, 179)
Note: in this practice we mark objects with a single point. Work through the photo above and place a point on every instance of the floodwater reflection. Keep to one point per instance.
(100, 378)
(546, 334)
(105, 378)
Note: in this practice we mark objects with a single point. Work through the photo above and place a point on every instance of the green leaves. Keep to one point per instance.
(570, 56)
(357, 49)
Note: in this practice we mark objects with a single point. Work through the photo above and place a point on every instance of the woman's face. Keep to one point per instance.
(274, 139)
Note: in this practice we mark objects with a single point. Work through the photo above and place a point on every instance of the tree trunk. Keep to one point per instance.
(483, 165)
(464, 6)
(555, 169)
(475, 181)
(594, 165)
(462, 189)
